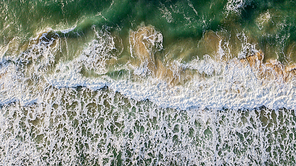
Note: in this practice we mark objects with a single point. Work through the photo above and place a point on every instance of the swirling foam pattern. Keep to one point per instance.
(128, 82)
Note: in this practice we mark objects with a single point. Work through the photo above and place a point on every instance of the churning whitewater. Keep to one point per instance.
(147, 82)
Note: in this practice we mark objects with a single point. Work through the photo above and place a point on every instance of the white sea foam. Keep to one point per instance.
(92, 127)
(215, 84)
(235, 5)
(56, 110)
(66, 117)
(232, 86)
(166, 13)
(9, 87)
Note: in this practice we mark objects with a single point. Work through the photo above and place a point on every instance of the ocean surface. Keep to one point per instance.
(146, 82)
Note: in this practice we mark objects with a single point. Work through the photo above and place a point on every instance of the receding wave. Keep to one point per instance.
(147, 83)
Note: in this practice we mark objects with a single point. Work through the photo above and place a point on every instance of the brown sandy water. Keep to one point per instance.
(147, 82)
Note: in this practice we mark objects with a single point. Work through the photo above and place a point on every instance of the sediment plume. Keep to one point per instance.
(270, 70)
(144, 44)
(146, 47)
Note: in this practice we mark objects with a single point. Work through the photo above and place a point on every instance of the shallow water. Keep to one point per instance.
(147, 82)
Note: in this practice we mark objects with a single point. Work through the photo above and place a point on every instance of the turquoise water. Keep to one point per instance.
(144, 82)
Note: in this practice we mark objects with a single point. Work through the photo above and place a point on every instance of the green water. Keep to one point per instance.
(145, 82)
(175, 19)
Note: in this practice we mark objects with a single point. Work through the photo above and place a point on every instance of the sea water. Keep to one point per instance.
(144, 82)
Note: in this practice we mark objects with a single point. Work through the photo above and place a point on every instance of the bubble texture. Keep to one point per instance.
(95, 82)
(85, 127)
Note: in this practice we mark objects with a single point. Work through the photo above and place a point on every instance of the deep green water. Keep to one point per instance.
(144, 82)
(175, 19)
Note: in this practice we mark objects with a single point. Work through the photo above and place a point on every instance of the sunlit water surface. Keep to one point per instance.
(147, 82)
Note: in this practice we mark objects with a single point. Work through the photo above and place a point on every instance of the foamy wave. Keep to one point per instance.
(235, 5)
(210, 82)
(236, 87)
(238, 83)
